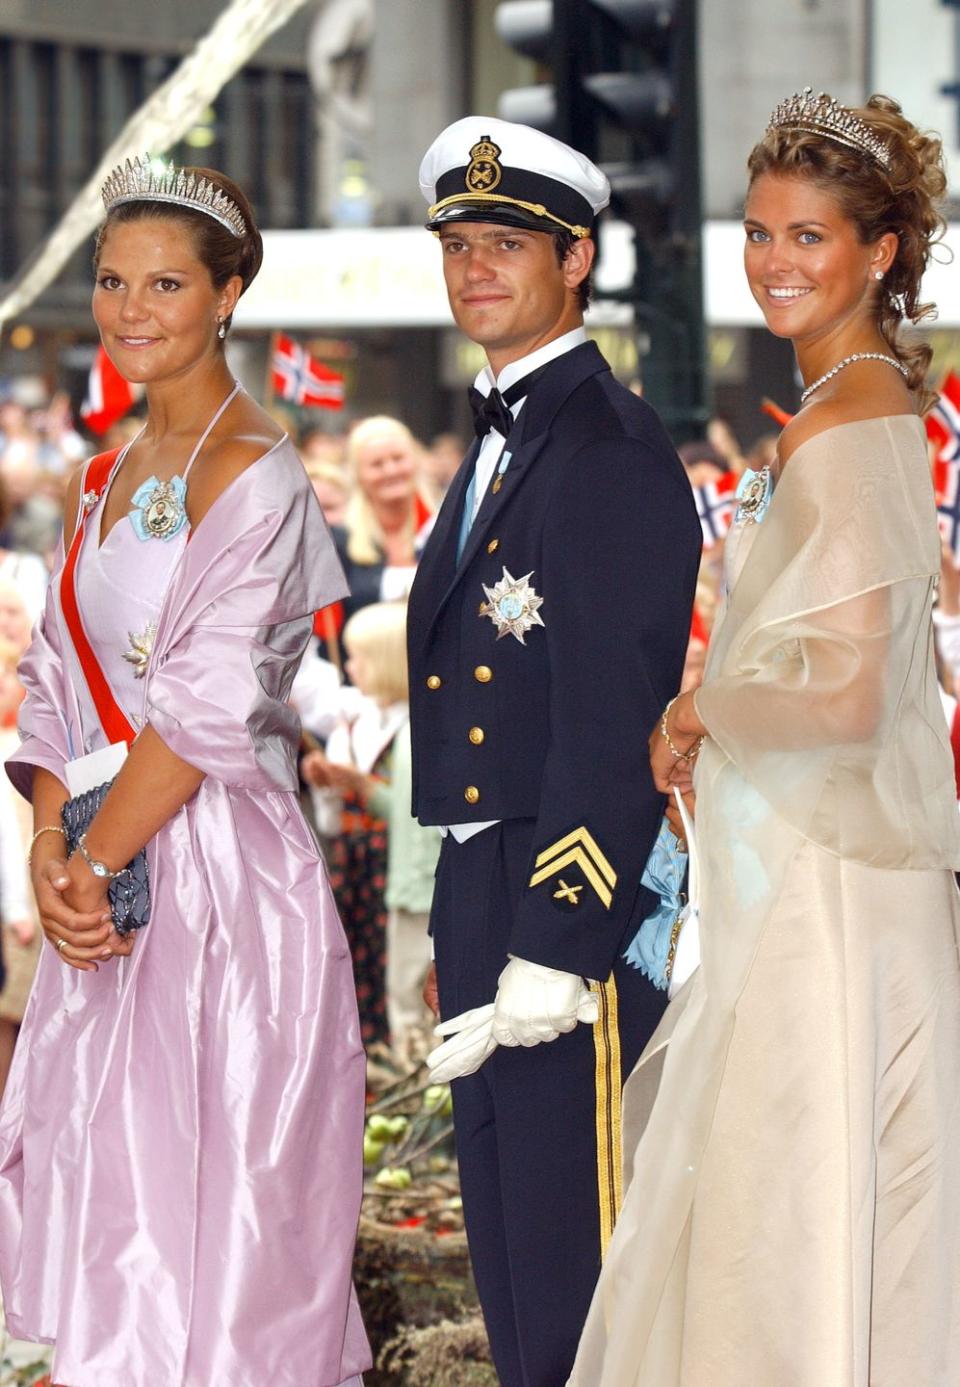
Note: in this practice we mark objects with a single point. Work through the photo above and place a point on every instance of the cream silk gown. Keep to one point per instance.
(792, 1132)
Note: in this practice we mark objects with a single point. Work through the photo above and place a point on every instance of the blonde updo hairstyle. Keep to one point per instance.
(223, 254)
(364, 535)
(903, 198)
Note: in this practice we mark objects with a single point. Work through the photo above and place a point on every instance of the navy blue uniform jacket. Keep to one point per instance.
(594, 505)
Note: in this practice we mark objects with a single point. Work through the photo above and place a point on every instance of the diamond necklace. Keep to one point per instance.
(848, 360)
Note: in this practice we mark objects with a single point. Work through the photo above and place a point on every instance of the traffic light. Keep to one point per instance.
(619, 83)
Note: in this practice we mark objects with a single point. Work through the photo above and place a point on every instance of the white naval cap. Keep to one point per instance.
(489, 170)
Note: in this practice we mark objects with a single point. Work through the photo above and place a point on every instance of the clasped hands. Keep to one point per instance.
(74, 908)
(533, 1005)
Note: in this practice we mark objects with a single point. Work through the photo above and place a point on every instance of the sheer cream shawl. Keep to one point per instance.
(825, 725)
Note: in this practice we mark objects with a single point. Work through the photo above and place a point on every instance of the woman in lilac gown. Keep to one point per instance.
(180, 1141)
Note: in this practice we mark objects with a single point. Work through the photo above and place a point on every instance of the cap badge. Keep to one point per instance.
(513, 606)
(483, 171)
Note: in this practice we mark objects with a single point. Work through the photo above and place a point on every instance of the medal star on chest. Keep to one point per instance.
(513, 606)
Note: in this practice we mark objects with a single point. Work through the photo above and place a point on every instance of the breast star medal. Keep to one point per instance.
(754, 494)
(141, 645)
(512, 606)
(157, 508)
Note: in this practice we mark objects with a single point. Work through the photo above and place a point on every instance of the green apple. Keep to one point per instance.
(379, 1126)
(437, 1099)
(393, 1178)
(372, 1150)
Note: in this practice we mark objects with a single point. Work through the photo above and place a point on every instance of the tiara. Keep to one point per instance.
(822, 115)
(150, 180)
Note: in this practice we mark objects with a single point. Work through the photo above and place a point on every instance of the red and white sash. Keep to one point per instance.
(113, 719)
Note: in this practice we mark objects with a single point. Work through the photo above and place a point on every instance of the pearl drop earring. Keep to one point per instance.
(221, 329)
(878, 274)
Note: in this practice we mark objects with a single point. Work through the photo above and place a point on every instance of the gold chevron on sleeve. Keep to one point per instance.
(580, 849)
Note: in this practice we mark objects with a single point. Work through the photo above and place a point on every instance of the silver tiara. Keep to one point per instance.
(150, 180)
(822, 115)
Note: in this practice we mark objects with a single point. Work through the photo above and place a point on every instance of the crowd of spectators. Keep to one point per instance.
(379, 488)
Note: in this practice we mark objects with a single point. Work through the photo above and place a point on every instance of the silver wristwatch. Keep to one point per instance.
(99, 869)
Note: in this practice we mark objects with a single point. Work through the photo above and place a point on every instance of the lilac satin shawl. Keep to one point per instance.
(231, 634)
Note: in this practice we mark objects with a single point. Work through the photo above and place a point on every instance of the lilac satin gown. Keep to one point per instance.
(180, 1141)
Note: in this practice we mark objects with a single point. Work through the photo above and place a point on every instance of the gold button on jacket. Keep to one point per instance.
(434, 681)
(476, 735)
(493, 546)
(483, 674)
(471, 794)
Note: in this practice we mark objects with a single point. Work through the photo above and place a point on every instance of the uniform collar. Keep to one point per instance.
(516, 370)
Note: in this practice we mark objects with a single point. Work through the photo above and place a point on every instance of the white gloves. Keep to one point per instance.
(470, 1043)
(533, 1004)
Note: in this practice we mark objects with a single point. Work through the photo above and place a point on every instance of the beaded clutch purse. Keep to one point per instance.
(129, 891)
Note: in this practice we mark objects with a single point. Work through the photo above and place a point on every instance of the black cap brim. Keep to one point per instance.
(498, 213)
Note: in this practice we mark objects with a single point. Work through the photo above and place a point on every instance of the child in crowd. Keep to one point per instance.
(368, 760)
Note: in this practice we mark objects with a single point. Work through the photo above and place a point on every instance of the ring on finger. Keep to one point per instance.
(61, 946)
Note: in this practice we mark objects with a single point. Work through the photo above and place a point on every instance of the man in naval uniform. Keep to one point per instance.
(547, 628)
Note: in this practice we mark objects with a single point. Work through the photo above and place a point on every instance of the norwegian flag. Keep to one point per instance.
(715, 506)
(943, 430)
(948, 506)
(301, 380)
(109, 396)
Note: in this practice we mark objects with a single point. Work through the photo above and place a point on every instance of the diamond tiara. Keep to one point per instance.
(150, 180)
(822, 115)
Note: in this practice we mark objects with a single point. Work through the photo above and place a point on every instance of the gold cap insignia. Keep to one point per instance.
(483, 171)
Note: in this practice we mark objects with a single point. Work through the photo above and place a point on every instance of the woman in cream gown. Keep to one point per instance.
(792, 1132)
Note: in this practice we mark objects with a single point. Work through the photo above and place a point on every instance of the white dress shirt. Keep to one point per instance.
(490, 456)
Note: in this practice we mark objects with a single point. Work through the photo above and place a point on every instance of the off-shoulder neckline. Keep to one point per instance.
(847, 424)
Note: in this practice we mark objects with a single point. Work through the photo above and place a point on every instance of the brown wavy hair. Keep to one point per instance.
(224, 254)
(904, 199)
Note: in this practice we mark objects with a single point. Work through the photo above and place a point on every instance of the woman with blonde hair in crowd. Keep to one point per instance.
(793, 1128)
(386, 513)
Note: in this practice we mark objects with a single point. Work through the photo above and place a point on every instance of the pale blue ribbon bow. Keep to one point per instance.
(664, 873)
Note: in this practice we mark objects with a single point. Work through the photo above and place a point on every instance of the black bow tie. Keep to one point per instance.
(490, 412)
(493, 411)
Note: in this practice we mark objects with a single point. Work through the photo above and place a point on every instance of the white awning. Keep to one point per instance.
(392, 277)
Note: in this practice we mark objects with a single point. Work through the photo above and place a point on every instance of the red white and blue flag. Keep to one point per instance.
(302, 380)
(943, 420)
(716, 504)
(943, 431)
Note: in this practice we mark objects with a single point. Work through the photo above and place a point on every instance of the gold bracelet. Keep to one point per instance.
(47, 828)
(688, 755)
